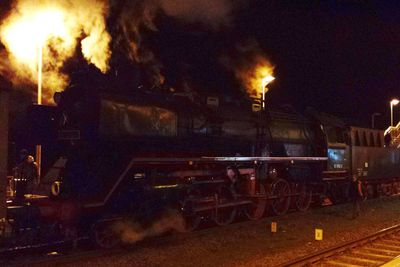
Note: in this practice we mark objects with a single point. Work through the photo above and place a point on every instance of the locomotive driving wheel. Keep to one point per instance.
(104, 235)
(224, 213)
(303, 199)
(280, 190)
(188, 206)
(256, 209)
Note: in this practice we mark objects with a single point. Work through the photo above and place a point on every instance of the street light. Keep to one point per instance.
(264, 84)
(373, 119)
(39, 102)
(394, 102)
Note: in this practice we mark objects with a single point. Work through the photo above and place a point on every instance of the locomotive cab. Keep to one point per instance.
(338, 145)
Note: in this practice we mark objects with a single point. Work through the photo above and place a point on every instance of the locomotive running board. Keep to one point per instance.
(229, 159)
(199, 159)
(225, 205)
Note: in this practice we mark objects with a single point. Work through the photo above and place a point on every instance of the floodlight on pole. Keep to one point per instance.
(268, 79)
(393, 102)
(39, 102)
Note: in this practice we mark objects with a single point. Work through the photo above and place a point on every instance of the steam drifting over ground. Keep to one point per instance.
(131, 232)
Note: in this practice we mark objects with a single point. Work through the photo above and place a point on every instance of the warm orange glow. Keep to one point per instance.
(261, 78)
(24, 36)
(256, 77)
(50, 31)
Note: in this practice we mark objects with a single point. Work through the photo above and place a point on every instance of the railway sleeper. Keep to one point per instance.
(380, 251)
(369, 255)
(348, 259)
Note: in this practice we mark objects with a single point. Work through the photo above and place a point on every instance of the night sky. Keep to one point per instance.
(341, 57)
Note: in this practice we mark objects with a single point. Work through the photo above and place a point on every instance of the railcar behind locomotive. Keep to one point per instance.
(137, 156)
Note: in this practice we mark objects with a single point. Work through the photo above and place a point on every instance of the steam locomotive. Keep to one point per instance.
(120, 157)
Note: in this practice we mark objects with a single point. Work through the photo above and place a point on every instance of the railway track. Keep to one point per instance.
(53, 256)
(377, 249)
(367, 249)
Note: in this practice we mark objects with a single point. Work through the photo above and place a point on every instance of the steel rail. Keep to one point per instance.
(336, 250)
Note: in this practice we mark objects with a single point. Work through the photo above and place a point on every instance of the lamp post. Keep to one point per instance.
(39, 102)
(373, 119)
(264, 84)
(394, 102)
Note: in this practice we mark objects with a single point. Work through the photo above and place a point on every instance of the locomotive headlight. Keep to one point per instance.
(273, 174)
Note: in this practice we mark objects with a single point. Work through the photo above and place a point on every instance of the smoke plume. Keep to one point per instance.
(137, 19)
(63, 28)
(214, 13)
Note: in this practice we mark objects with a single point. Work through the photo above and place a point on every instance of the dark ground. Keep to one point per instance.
(251, 243)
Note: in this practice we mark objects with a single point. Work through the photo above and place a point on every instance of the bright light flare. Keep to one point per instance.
(267, 80)
(260, 77)
(394, 102)
(25, 37)
(255, 72)
(50, 30)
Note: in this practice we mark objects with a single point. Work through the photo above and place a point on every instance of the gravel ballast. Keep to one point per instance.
(252, 244)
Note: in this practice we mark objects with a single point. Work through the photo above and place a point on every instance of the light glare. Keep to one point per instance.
(394, 102)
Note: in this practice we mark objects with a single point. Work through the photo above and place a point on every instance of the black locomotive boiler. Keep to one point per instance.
(136, 156)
